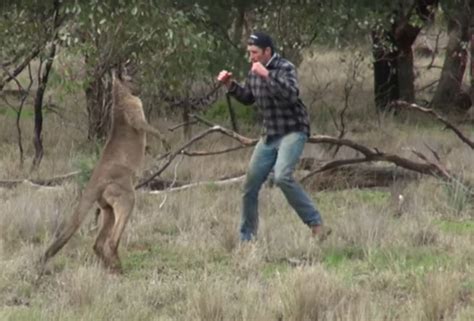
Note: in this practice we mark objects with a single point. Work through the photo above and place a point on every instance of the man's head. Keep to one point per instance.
(260, 47)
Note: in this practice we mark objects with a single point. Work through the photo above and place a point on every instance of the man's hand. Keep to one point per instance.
(259, 69)
(225, 77)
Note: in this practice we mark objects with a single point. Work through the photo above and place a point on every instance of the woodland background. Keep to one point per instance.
(389, 87)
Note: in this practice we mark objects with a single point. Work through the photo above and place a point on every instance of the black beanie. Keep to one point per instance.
(261, 40)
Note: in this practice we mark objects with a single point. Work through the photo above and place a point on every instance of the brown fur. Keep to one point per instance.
(112, 182)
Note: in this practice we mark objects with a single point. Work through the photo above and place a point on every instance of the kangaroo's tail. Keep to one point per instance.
(88, 198)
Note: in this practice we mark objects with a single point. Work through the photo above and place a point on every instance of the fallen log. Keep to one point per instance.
(359, 176)
(52, 181)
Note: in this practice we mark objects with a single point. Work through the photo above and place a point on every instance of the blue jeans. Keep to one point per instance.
(280, 154)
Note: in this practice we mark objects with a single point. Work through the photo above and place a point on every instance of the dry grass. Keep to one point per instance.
(384, 261)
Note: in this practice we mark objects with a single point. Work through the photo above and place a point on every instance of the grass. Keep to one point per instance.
(461, 227)
(181, 257)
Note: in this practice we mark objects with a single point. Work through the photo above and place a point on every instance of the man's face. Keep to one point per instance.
(257, 54)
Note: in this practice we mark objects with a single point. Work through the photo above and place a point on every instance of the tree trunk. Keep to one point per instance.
(406, 76)
(472, 64)
(405, 36)
(187, 130)
(38, 108)
(43, 76)
(239, 26)
(449, 89)
(471, 32)
(385, 71)
(99, 104)
(393, 55)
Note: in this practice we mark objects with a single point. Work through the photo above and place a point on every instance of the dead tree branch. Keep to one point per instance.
(332, 165)
(219, 152)
(427, 167)
(243, 140)
(12, 75)
(406, 105)
(53, 181)
(373, 154)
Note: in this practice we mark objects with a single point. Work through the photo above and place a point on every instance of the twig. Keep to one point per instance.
(435, 51)
(243, 140)
(373, 154)
(21, 66)
(191, 185)
(56, 180)
(182, 124)
(429, 85)
(219, 152)
(172, 183)
(334, 164)
(404, 104)
(236, 136)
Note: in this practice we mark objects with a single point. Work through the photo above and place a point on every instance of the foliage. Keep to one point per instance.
(24, 27)
(86, 164)
(219, 112)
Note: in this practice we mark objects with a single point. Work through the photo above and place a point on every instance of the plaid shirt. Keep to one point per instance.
(277, 97)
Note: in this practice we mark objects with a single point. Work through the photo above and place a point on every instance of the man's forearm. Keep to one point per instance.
(242, 94)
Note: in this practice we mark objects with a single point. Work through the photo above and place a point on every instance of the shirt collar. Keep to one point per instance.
(271, 59)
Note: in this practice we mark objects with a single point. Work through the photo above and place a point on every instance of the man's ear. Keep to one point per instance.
(268, 51)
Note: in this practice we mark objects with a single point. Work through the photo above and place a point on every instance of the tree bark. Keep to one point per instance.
(38, 109)
(471, 32)
(99, 103)
(43, 76)
(239, 26)
(385, 70)
(393, 54)
(449, 92)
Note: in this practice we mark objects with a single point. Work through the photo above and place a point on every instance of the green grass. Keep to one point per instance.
(456, 227)
(336, 258)
(272, 269)
(26, 113)
(170, 260)
(353, 260)
(182, 261)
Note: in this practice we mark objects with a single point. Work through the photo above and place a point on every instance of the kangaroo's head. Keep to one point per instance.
(124, 76)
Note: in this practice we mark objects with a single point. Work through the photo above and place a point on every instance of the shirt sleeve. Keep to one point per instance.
(283, 83)
(242, 93)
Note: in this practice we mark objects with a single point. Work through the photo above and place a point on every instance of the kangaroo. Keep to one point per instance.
(113, 178)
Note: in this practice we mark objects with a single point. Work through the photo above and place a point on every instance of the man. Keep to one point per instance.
(272, 85)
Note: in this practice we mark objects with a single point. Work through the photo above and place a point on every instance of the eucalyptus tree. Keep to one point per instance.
(31, 30)
(155, 37)
(449, 94)
(392, 26)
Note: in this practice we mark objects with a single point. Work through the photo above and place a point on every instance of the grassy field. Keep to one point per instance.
(182, 259)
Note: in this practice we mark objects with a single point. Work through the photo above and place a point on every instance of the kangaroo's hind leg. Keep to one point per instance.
(122, 201)
(106, 225)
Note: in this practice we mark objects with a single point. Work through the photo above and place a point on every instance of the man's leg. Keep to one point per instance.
(289, 152)
(261, 163)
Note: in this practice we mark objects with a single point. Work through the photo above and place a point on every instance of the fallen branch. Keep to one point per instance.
(427, 167)
(53, 181)
(406, 105)
(332, 165)
(219, 152)
(182, 125)
(196, 184)
(359, 176)
(373, 154)
(243, 140)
